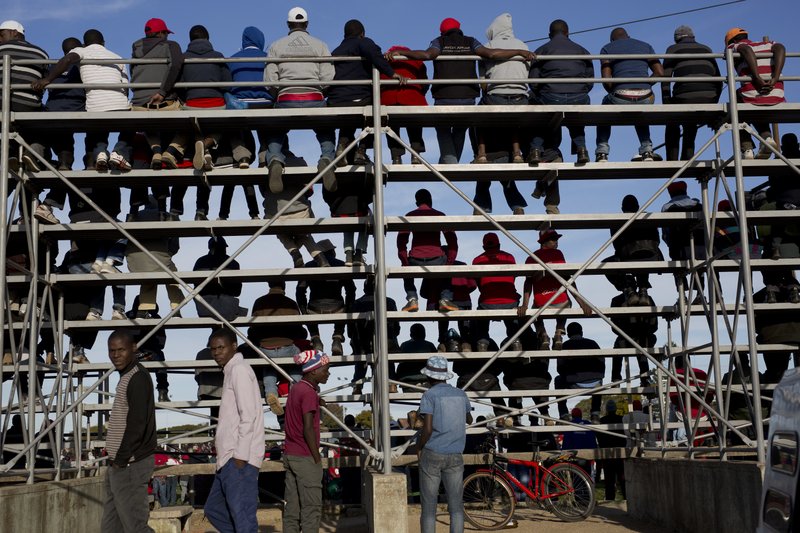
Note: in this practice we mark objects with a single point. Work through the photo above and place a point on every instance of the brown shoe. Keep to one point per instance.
(274, 404)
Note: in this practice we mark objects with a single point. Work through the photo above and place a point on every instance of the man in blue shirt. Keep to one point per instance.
(627, 93)
(440, 445)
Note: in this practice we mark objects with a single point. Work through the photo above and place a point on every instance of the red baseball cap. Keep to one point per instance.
(449, 24)
(156, 26)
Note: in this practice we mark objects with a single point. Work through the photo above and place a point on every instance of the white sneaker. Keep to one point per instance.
(118, 315)
(748, 154)
(101, 163)
(764, 151)
(93, 315)
(109, 268)
(117, 162)
(97, 266)
(44, 214)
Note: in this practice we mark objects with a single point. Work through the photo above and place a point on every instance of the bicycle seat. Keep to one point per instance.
(539, 443)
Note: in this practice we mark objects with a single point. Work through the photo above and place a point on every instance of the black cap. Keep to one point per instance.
(217, 242)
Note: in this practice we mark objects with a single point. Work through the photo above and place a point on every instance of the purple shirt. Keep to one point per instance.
(303, 398)
(240, 431)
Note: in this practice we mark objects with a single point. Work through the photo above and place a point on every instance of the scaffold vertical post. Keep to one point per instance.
(4, 176)
(747, 281)
(381, 325)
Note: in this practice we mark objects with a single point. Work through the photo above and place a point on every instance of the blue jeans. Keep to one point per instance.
(160, 490)
(513, 197)
(435, 468)
(451, 138)
(276, 138)
(271, 375)
(576, 133)
(232, 503)
(437, 289)
(642, 130)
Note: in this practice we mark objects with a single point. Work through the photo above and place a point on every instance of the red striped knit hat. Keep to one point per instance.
(311, 360)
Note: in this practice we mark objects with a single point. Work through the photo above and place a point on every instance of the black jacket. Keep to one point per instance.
(578, 365)
(218, 286)
(561, 68)
(371, 55)
(204, 72)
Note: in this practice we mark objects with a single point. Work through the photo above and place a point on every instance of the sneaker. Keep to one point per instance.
(482, 346)
(771, 296)
(583, 156)
(322, 261)
(794, 294)
(117, 162)
(764, 151)
(650, 156)
(198, 161)
(94, 315)
(109, 268)
(466, 347)
(329, 178)
(208, 162)
(200, 216)
(452, 345)
(360, 157)
(316, 343)
(534, 157)
(601, 158)
(392, 388)
(631, 298)
(412, 306)
(348, 258)
(336, 345)
(552, 210)
(558, 339)
(544, 341)
(538, 190)
(79, 357)
(441, 348)
(644, 298)
(518, 159)
(515, 346)
(415, 160)
(358, 258)
(274, 404)
(358, 389)
(44, 214)
(397, 160)
(163, 396)
(30, 163)
(748, 154)
(275, 176)
(101, 164)
(339, 151)
(168, 160)
(97, 266)
(157, 162)
(297, 258)
(116, 314)
(446, 305)
(518, 211)
(244, 163)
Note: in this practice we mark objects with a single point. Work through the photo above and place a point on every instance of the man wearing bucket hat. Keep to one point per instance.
(440, 444)
(301, 460)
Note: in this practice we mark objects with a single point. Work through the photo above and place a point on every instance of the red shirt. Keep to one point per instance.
(411, 93)
(544, 288)
(426, 244)
(749, 93)
(497, 289)
(303, 398)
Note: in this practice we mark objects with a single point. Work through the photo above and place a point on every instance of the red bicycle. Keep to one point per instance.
(557, 484)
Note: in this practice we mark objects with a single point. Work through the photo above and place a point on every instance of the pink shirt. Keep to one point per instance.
(303, 398)
(240, 430)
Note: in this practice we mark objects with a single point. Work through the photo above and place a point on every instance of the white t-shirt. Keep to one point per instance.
(103, 99)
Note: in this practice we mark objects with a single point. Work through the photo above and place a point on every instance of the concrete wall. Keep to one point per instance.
(385, 498)
(71, 505)
(695, 496)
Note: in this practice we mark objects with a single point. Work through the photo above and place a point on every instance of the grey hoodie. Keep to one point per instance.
(315, 75)
(501, 35)
(166, 74)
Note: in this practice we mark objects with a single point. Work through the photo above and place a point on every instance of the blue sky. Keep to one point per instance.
(414, 24)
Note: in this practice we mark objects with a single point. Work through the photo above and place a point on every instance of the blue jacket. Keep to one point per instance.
(252, 46)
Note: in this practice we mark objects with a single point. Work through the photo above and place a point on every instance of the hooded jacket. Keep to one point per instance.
(411, 93)
(501, 36)
(204, 72)
(164, 73)
(250, 71)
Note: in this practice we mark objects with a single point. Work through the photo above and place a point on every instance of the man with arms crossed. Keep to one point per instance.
(233, 501)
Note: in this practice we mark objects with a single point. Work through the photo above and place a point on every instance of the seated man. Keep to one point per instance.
(639, 327)
(486, 381)
(496, 292)
(527, 373)
(312, 79)
(579, 372)
(409, 371)
(221, 294)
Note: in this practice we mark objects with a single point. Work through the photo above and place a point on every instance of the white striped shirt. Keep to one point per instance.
(102, 99)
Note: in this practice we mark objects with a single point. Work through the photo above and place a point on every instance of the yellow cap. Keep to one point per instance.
(732, 33)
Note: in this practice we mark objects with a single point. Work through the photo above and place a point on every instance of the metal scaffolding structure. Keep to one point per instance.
(61, 399)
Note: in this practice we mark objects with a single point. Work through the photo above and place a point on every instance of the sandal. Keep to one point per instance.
(518, 158)
(480, 160)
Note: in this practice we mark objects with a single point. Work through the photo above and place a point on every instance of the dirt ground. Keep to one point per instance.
(609, 517)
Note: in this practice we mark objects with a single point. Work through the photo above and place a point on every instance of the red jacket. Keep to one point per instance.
(426, 244)
(411, 94)
(496, 289)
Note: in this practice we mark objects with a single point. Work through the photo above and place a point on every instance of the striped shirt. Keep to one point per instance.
(24, 99)
(747, 91)
(102, 99)
(131, 434)
(692, 67)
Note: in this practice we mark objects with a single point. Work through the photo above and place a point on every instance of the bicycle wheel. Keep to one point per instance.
(568, 492)
(488, 501)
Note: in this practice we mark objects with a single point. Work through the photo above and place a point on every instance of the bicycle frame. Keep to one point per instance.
(539, 471)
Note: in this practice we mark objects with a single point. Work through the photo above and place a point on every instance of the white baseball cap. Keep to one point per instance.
(298, 14)
(12, 25)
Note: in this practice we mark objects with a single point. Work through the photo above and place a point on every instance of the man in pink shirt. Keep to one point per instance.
(301, 458)
(426, 250)
(233, 501)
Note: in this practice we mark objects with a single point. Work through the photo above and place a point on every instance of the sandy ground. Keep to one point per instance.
(608, 518)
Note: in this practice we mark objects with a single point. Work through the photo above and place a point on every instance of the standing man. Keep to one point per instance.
(630, 93)
(426, 250)
(311, 79)
(130, 441)
(232, 503)
(440, 445)
(301, 461)
(704, 92)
